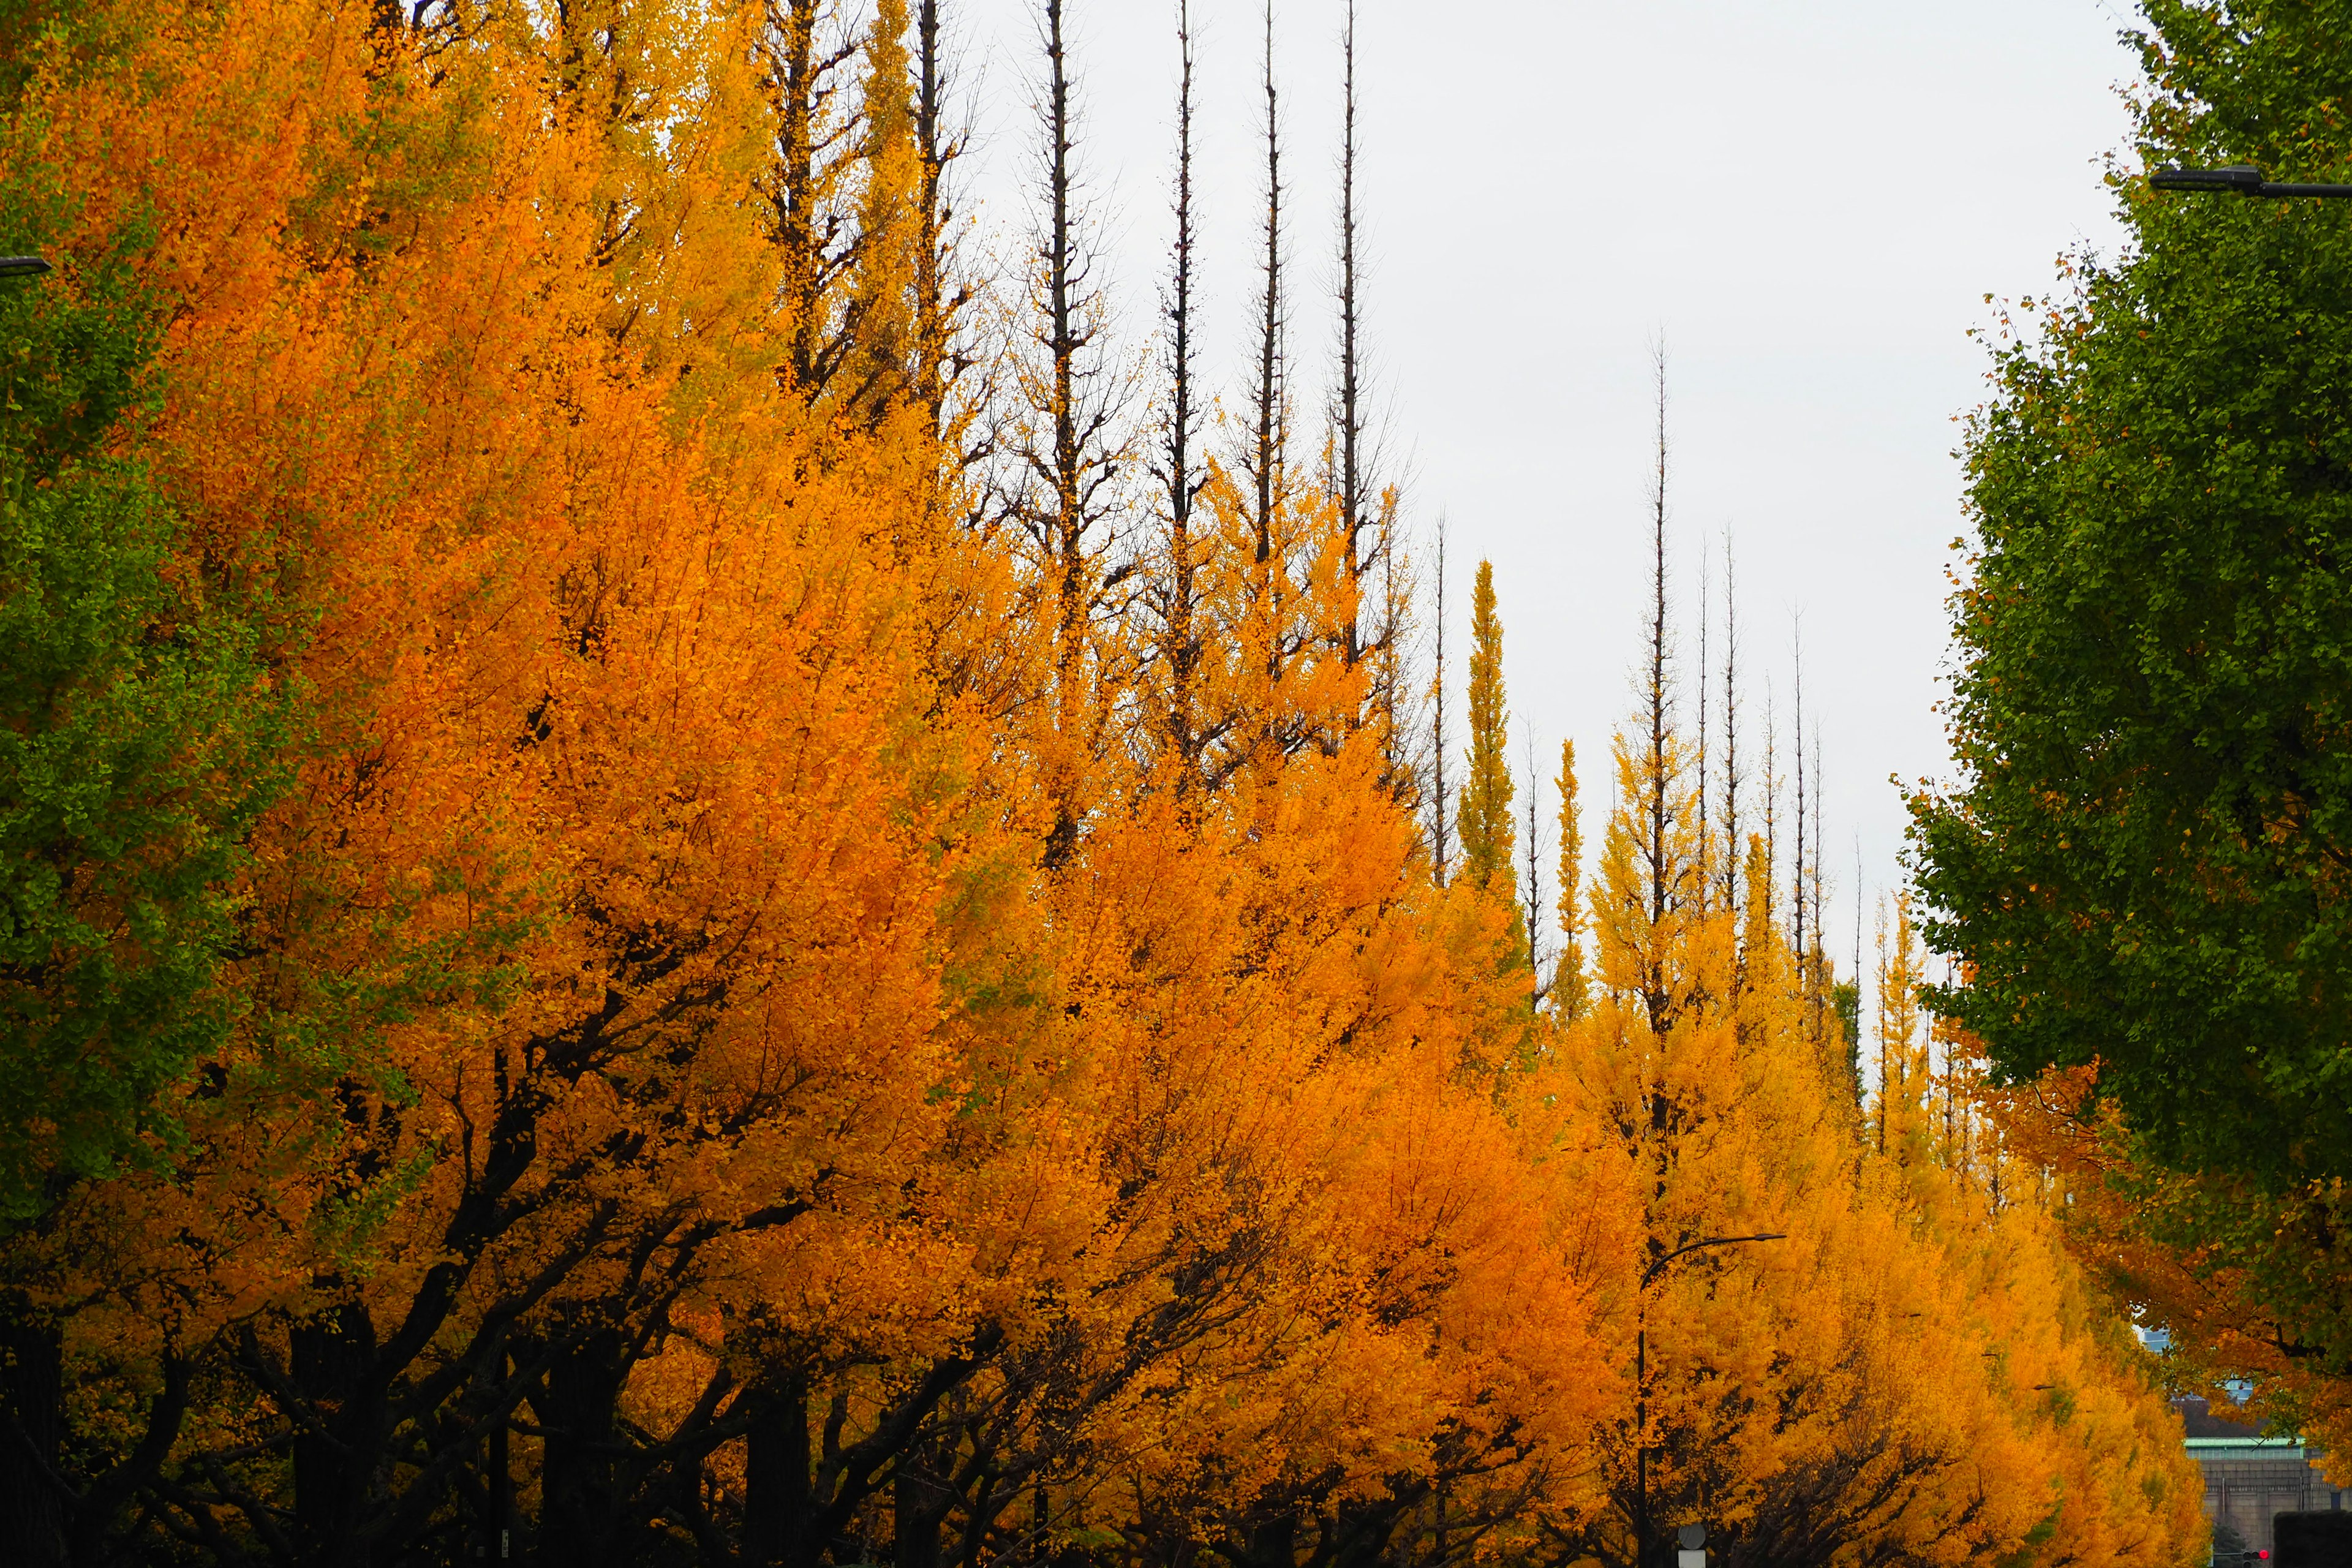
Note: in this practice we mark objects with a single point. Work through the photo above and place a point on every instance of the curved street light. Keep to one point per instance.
(22, 267)
(1641, 1381)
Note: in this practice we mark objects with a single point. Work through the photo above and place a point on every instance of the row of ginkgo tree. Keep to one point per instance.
(763, 962)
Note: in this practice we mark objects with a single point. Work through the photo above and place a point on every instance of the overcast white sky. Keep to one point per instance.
(1808, 198)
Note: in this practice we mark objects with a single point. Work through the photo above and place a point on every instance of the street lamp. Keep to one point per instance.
(2242, 178)
(22, 267)
(1641, 1381)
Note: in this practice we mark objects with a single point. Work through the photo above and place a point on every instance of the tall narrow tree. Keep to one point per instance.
(1531, 858)
(1657, 717)
(1568, 980)
(1797, 868)
(1176, 589)
(809, 222)
(1265, 457)
(1389, 697)
(1483, 815)
(887, 357)
(1069, 451)
(1733, 778)
(1769, 914)
(1857, 910)
(1441, 743)
(1348, 396)
(1699, 736)
(1819, 998)
(941, 297)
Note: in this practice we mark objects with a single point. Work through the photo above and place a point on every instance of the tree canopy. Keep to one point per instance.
(727, 943)
(2144, 862)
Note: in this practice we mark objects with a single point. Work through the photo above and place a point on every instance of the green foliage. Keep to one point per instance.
(138, 733)
(2148, 863)
(2268, 81)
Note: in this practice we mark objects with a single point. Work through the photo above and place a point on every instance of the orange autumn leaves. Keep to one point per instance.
(749, 1050)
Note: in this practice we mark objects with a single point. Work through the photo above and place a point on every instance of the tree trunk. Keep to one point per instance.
(918, 1499)
(496, 1524)
(330, 1358)
(580, 1523)
(1273, 1542)
(32, 1515)
(776, 1479)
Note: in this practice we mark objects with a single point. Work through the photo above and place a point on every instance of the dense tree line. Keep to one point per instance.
(689, 884)
(2141, 865)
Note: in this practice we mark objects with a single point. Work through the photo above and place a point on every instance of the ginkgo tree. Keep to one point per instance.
(760, 991)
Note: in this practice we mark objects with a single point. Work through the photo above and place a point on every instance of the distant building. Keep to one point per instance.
(2250, 1477)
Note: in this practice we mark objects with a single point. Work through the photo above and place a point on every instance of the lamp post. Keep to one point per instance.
(2243, 179)
(1641, 1381)
(22, 267)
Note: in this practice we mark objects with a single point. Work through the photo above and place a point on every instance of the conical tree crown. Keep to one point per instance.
(1485, 814)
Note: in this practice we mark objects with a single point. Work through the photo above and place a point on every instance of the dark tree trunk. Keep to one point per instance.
(776, 1479)
(1273, 1542)
(496, 1525)
(32, 1513)
(330, 1356)
(580, 1523)
(919, 1500)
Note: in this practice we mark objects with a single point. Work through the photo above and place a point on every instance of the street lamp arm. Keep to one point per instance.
(2242, 178)
(1651, 1273)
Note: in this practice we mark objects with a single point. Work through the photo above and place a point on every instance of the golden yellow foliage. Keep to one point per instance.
(748, 1050)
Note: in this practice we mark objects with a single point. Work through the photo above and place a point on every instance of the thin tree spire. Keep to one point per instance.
(1270, 413)
(1797, 873)
(1885, 1077)
(940, 299)
(1532, 852)
(1181, 650)
(1388, 691)
(930, 330)
(1661, 763)
(1853, 1046)
(1706, 613)
(1857, 923)
(1658, 699)
(1440, 844)
(1772, 806)
(1348, 396)
(1732, 779)
(1074, 449)
(1820, 944)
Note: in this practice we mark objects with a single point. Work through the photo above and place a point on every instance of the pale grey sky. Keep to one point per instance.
(1809, 199)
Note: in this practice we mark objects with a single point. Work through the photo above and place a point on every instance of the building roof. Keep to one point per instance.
(2200, 1420)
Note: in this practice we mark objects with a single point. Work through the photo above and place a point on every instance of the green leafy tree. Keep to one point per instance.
(138, 733)
(2147, 861)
